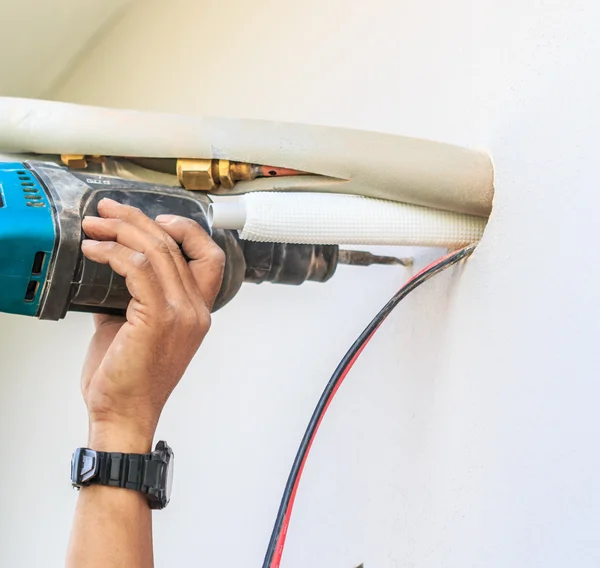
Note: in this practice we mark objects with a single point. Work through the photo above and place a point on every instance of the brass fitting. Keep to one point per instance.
(225, 174)
(241, 171)
(74, 161)
(79, 161)
(196, 174)
(208, 175)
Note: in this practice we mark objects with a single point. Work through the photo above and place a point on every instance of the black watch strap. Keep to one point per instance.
(147, 473)
(121, 470)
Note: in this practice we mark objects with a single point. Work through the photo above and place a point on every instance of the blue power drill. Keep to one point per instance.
(44, 274)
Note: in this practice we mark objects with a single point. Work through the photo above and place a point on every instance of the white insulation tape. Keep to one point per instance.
(329, 219)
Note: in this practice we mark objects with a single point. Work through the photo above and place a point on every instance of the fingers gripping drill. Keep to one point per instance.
(44, 274)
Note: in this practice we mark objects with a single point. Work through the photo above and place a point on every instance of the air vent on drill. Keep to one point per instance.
(30, 189)
(38, 263)
(31, 290)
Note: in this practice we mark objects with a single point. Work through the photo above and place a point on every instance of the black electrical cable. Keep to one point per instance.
(277, 541)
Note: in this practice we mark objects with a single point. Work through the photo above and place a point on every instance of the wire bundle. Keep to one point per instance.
(277, 541)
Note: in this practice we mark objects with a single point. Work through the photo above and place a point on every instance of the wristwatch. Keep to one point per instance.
(151, 474)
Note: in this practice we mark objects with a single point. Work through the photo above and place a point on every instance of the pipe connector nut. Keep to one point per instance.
(196, 174)
(226, 174)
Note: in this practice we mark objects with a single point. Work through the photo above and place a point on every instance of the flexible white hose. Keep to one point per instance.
(329, 219)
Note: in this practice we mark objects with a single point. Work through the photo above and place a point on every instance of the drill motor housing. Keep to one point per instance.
(43, 272)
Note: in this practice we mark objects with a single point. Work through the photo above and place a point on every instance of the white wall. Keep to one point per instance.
(40, 41)
(467, 434)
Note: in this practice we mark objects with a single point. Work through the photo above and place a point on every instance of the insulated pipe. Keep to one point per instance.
(345, 161)
(311, 218)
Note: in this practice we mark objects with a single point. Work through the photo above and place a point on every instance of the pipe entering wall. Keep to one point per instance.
(341, 160)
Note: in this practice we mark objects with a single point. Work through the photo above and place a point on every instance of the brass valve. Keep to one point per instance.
(79, 161)
(208, 175)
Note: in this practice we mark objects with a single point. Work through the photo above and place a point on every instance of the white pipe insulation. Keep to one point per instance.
(312, 218)
(385, 166)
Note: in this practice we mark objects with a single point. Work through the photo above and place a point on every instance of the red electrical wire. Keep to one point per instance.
(278, 536)
(281, 542)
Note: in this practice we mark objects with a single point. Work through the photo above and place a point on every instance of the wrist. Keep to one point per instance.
(119, 437)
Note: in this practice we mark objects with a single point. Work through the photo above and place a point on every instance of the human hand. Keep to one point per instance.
(133, 364)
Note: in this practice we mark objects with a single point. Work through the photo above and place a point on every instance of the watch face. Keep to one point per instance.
(169, 478)
(84, 466)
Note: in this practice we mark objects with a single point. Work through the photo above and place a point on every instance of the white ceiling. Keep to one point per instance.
(40, 40)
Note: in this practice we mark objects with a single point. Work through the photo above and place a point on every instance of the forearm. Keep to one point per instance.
(112, 526)
(132, 367)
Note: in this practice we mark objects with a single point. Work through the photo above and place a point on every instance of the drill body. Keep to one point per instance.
(44, 274)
